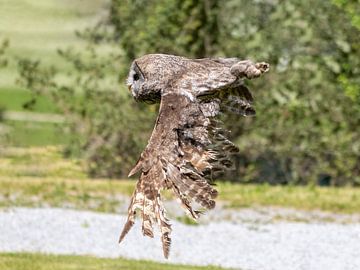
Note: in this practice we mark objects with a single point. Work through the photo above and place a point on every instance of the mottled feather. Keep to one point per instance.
(188, 146)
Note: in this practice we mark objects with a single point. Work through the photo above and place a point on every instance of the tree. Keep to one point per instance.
(308, 105)
(307, 121)
(188, 28)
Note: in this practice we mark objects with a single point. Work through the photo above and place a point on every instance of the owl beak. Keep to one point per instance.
(129, 87)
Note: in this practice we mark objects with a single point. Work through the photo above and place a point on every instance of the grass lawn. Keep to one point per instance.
(35, 30)
(13, 99)
(27, 261)
(26, 134)
(338, 200)
(105, 195)
(40, 176)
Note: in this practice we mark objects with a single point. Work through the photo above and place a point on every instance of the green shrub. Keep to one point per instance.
(106, 127)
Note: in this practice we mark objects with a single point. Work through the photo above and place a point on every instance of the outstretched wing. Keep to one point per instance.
(223, 79)
(162, 150)
(184, 147)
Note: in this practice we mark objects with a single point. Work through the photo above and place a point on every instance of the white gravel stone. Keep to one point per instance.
(278, 246)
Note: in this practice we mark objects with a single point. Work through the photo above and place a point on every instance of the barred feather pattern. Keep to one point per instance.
(192, 146)
(188, 145)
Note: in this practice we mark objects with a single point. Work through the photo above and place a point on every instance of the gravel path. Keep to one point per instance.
(278, 246)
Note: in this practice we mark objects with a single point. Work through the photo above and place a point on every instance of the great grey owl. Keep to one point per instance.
(188, 145)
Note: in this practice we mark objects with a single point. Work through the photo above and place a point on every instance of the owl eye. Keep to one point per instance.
(136, 77)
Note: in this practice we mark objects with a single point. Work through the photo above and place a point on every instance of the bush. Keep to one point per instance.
(308, 110)
(104, 123)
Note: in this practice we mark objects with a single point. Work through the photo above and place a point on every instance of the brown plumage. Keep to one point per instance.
(188, 145)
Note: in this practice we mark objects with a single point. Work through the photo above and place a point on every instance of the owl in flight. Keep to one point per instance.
(188, 146)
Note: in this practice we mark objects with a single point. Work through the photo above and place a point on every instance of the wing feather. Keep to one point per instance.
(188, 146)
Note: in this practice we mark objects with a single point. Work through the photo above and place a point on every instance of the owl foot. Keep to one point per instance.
(248, 69)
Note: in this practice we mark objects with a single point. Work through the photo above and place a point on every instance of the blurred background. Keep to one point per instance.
(68, 123)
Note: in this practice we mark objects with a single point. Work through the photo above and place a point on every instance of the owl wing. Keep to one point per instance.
(223, 78)
(183, 149)
(187, 147)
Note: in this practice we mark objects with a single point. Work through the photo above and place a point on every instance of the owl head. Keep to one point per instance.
(150, 74)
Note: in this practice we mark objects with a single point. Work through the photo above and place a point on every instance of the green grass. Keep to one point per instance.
(39, 162)
(26, 134)
(37, 28)
(97, 195)
(106, 195)
(13, 99)
(39, 176)
(27, 261)
(339, 200)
